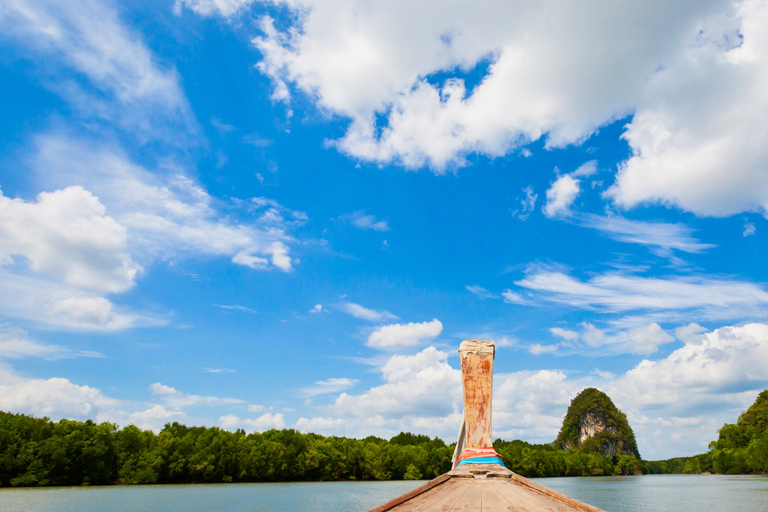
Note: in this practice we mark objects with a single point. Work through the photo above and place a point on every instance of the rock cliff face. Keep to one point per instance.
(594, 424)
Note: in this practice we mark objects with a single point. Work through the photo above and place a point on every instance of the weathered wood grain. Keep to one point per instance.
(419, 491)
(477, 376)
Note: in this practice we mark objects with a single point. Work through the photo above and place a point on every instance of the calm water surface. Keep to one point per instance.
(657, 493)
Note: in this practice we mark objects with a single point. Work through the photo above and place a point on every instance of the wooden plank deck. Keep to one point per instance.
(484, 488)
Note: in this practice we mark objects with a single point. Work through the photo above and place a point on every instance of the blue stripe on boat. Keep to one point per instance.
(481, 460)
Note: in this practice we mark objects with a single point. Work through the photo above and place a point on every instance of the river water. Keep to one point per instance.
(657, 493)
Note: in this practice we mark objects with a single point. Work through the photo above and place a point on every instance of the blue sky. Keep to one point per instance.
(289, 214)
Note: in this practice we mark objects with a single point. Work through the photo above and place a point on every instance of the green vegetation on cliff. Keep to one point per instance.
(743, 447)
(592, 413)
(36, 451)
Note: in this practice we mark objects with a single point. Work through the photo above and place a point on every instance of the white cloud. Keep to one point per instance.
(690, 333)
(705, 296)
(166, 214)
(694, 390)
(662, 237)
(511, 297)
(560, 196)
(538, 349)
(87, 36)
(531, 404)
(604, 374)
(404, 335)
(646, 339)
(67, 234)
(749, 229)
(357, 62)
(317, 309)
(642, 340)
(226, 8)
(319, 424)
(586, 169)
(235, 307)
(49, 302)
(362, 221)
(55, 398)
(406, 398)
(153, 418)
(218, 370)
(265, 422)
(324, 387)
(527, 204)
(90, 310)
(698, 142)
(176, 398)
(481, 292)
(363, 313)
(221, 127)
(565, 334)
(692, 75)
(103, 215)
(15, 344)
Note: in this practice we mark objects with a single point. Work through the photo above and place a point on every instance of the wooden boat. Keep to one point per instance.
(479, 481)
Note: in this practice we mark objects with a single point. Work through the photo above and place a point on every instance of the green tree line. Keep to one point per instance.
(38, 452)
(543, 460)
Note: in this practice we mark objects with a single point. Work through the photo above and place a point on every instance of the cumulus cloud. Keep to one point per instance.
(362, 221)
(319, 424)
(67, 234)
(358, 62)
(406, 398)
(264, 422)
(697, 142)
(404, 335)
(560, 196)
(697, 388)
(54, 397)
(363, 313)
(153, 418)
(693, 75)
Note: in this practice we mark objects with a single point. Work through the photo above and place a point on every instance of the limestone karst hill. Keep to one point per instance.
(593, 424)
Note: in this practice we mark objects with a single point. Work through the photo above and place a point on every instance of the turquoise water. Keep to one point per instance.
(657, 493)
